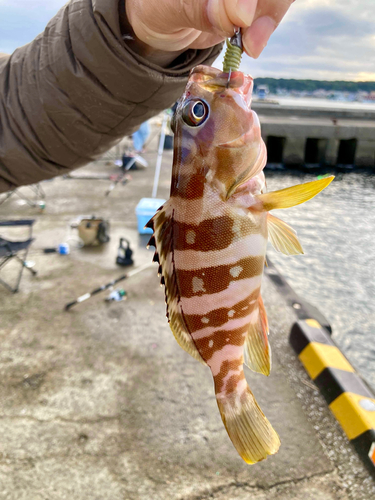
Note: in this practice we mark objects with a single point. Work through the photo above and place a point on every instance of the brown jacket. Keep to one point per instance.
(73, 92)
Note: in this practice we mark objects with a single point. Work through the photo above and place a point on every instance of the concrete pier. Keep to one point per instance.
(298, 135)
(100, 403)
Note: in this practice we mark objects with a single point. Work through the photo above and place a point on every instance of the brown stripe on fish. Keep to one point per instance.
(218, 339)
(219, 317)
(190, 187)
(229, 384)
(217, 233)
(252, 245)
(214, 279)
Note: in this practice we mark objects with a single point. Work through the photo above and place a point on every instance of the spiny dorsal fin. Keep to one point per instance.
(282, 236)
(163, 235)
(292, 196)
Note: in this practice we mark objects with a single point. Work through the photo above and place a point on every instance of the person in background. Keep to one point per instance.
(103, 67)
(140, 137)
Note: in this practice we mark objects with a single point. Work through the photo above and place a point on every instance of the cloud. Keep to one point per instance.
(22, 20)
(318, 39)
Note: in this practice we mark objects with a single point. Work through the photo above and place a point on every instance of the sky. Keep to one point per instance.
(318, 39)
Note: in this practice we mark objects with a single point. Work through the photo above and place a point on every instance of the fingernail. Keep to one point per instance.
(256, 37)
(245, 10)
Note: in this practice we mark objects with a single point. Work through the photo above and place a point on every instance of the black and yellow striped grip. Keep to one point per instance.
(349, 398)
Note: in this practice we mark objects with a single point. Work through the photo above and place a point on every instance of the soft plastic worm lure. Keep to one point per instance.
(233, 54)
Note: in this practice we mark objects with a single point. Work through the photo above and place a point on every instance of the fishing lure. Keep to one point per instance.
(211, 237)
(233, 53)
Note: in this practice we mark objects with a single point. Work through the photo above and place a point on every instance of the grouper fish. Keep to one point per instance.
(210, 239)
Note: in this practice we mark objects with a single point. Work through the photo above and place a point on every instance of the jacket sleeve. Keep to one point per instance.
(77, 89)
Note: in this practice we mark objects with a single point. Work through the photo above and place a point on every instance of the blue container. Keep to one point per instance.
(63, 249)
(146, 208)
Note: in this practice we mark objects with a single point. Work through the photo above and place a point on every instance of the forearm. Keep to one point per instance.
(78, 88)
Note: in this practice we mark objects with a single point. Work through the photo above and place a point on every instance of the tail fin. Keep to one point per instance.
(249, 430)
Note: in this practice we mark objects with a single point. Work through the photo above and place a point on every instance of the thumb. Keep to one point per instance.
(176, 24)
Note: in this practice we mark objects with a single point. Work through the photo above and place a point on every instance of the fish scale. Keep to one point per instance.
(211, 237)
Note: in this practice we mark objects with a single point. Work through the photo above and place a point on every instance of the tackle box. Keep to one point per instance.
(146, 208)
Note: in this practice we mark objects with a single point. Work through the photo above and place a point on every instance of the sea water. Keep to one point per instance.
(337, 272)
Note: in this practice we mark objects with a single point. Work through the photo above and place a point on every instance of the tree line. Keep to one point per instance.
(311, 85)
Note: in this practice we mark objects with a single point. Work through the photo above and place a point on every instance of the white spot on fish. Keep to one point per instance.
(209, 176)
(244, 308)
(205, 320)
(231, 313)
(190, 237)
(253, 302)
(198, 285)
(236, 271)
(211, 343)
(236, 228)
(226, 340)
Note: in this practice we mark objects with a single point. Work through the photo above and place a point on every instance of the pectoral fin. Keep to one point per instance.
(282, 236)
(292, 196)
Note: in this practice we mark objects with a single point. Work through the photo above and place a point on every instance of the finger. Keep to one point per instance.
(241, 13)
(275, 9)
(268, 15)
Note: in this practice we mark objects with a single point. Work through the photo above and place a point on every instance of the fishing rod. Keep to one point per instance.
(86, 296)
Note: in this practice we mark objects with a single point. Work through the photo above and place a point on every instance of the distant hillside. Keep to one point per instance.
(311, 85)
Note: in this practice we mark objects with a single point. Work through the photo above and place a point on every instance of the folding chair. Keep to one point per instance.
(36, 189)
(9, 250)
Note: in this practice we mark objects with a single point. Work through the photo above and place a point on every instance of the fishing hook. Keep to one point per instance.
(229, 75)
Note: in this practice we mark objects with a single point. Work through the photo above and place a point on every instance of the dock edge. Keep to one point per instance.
(348, 396)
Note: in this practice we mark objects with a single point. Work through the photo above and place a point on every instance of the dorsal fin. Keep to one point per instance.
(162, 222)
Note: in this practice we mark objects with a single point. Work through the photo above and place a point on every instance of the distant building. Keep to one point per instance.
(262, 91)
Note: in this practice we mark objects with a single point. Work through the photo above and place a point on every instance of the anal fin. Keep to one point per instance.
(257, 350)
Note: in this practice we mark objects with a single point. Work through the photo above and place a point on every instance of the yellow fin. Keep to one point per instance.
(257, 351)
(292, 196)
(162, 239)
(249, 430)
(180, 332)
(282, 236)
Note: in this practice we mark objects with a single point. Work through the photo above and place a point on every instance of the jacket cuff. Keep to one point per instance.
(146, 82)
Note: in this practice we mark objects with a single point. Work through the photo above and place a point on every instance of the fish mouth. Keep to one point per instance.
(214, 80)
(240, 141)
(247, 137)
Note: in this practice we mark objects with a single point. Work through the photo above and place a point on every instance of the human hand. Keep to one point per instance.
(176, 25)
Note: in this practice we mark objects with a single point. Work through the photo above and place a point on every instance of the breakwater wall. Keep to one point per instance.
(313, 137)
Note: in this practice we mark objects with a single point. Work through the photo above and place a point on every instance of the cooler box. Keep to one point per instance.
(146, 208)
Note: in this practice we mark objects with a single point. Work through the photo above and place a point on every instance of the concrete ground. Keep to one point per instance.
(100, 403)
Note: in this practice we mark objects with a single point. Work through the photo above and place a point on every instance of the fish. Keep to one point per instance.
(210, 240)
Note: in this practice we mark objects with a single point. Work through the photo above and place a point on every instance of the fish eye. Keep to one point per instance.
(195, 113)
